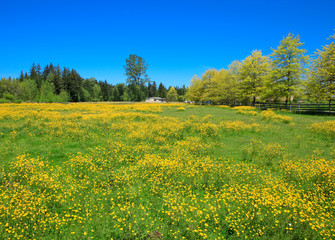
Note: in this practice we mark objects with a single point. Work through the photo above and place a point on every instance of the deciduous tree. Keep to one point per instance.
(137, 78)
(252, 74)
(322, 78)
(172, 95)
(288, 62)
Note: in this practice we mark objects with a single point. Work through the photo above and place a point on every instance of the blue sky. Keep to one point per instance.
(178, 39)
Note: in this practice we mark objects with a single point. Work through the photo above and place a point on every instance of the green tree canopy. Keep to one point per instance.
(321, 84)
(195, 90)
(288, 62)
(252, 74)
(137, 78)
(172, 95)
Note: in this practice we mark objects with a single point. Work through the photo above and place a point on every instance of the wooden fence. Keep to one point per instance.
(300, 107)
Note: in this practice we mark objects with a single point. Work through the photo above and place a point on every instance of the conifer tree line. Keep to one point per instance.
(53, 84)
(287, 75)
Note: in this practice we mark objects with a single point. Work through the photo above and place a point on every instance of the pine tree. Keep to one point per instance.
(21, 76)
(161, 92)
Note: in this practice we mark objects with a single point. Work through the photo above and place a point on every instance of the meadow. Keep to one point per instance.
(164, 171)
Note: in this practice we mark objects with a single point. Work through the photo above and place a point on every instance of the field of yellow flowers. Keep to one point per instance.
(164, 171)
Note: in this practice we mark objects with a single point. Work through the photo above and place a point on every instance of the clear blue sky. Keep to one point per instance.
(178, 39)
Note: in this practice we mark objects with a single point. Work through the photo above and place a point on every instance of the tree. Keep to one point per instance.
(152, 89)
(30, 91)
(207, 83)
(97, 94)
(6, 86)
(252, 74)
(224, 88)
(73, 84)
(321, 84)
(106, 90)
(172, 95)
(118, 92)
(47, 92)
(34, 74)
(195, 90)
(161, 92)
(137, 77)
(21, 76)
(88, 84)
(288, 66)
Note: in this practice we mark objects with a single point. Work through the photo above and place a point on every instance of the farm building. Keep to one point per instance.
(156, 99)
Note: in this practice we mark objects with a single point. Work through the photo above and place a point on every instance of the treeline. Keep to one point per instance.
(286, 75)
(53, 84)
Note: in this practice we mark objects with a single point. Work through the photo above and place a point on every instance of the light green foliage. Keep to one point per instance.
(29, 90)
(47, 90)
(215, 86)
(85, 96)
(207, 83)
(288, 62)
(5, 86)
(195, 90)
(172, 95)
(253, 72)
(97, 93)
(63, 96)
(223, 88)
(321, 84)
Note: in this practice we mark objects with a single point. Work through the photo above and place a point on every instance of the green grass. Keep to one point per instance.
(138, 171)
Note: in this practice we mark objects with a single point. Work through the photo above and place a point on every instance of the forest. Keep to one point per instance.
(287, 75)
(53, 84)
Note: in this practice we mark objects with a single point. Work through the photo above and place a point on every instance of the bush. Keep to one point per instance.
(3, 100)
(9, 97)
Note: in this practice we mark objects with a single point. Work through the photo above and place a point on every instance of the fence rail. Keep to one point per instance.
(300, 107)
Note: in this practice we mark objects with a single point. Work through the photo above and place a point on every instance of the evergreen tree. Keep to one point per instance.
(58, 81)
(118, 92)
(161, 92)
(21, 76)
(73, 84)
(106, 90)
(46, 72)
(154, 89)
(33, 73)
